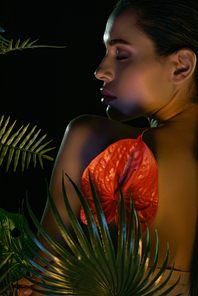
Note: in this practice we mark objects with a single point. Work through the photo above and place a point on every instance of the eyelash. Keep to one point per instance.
(120, 58)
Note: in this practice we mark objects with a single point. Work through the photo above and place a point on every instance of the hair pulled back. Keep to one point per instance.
(170, 24)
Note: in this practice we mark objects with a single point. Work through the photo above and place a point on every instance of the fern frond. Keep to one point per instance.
(7, 46)
(19, 143)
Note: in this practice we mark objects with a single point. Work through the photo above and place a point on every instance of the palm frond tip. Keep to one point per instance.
(9, 45)
(96, 269)
(21, 143)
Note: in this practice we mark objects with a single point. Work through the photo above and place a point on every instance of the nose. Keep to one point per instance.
(104, 72)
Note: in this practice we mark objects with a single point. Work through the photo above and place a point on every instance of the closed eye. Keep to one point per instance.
(121, 54)
(120, 58)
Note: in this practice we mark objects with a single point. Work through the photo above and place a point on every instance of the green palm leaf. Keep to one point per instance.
(95, 268)
(5, 279)
(21, 143)
(11, 261)
(13, 238)
(8, 45)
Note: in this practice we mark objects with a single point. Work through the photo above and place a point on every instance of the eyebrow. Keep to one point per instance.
(115, 41)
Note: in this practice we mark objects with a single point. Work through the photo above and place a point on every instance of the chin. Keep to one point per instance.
(116, 115)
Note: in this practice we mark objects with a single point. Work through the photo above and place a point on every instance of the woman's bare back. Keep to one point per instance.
(172, 148)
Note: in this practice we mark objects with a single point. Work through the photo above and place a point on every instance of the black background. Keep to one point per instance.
(48, 87)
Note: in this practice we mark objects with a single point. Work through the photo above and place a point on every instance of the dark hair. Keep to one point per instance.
(171, 24)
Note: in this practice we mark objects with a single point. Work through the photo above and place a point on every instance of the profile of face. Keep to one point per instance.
(136, 80)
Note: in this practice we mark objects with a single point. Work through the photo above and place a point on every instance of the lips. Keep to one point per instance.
(107, 97)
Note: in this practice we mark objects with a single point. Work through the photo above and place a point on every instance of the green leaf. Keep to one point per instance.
(10, 45)
(8, 133)
(31, 43)
(108, 249)
(2, 131)
(17, 44)
(10, 245)
(94, 269)
(19, 144)
(59, 249)
(24, 43)
(3, 48)
(121, 242)
(7, 46)
(93, 233)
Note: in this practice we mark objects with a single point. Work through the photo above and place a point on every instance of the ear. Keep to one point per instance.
(184, 65)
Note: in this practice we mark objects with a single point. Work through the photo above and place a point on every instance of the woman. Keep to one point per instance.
(149, 70)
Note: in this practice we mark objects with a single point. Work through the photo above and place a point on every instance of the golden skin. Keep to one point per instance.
(141, 80)
(158, 88)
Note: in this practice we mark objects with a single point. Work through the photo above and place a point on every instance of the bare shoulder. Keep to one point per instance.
(166, 142)
(89, 135)
(102, 126)
(85, 137)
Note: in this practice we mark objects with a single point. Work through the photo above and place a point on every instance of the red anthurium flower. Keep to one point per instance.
(131, 163)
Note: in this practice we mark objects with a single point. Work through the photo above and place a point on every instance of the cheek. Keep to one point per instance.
(152, 83)
(134, 87)
(139, 87)
(160, 87)
(136, 78)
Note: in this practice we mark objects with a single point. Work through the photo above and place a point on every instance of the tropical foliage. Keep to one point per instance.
(9, 45)
(12, 240)
(21, 143)
(92, 266)
(5, 277)
(28, 147)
